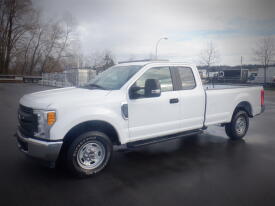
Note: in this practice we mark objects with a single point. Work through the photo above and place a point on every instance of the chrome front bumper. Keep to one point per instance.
(44, 150)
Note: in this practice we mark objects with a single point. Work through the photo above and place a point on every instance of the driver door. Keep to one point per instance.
(154, 116)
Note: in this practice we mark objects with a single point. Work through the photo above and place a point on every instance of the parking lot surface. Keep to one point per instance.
(201, 170)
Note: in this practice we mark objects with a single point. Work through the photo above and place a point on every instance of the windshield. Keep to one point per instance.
(114, 77)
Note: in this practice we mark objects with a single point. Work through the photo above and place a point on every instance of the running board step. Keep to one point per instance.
(141, 143)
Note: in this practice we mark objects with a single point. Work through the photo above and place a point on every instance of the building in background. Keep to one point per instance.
(238, 74)
(257, 75)
(235, 75)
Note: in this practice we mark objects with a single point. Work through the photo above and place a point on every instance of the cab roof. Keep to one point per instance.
(146, 62)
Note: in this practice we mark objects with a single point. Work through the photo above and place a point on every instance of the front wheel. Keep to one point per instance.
(238, 126)
(89, 153)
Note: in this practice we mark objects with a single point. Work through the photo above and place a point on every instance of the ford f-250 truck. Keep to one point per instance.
(132, 104)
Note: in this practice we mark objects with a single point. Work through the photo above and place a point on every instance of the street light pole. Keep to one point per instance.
(163, 38)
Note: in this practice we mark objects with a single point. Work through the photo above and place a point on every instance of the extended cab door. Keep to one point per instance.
(154, 116)
(191, 98)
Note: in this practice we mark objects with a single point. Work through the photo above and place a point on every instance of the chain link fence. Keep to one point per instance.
(72, 77)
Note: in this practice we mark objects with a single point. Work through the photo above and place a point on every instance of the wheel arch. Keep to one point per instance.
(93, 125)
(245, 106)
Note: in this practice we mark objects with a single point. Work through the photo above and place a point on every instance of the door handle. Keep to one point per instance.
(174, 101)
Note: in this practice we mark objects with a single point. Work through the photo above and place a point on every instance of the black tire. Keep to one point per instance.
(74, 162)
(232, 130)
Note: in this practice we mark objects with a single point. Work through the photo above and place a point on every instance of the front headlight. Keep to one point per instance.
(45, 120)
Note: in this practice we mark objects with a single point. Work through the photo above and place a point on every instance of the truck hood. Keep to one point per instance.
(55, 98)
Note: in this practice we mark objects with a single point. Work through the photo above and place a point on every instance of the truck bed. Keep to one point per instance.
(221, 100)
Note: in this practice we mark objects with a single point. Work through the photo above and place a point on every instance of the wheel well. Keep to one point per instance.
(100, 126)
(244, 106)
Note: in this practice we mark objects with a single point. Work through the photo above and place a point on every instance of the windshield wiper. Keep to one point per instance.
(95, 86)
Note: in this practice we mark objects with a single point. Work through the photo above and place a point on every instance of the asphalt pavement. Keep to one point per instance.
(200, 170)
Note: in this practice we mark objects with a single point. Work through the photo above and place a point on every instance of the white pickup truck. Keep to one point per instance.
(132, 104)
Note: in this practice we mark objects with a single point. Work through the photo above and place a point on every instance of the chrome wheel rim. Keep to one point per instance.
(91, 155)
(240, 125)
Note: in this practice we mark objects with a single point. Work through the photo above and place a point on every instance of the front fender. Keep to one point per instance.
(68, 120)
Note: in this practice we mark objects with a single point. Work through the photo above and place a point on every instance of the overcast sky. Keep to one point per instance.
(130, 28)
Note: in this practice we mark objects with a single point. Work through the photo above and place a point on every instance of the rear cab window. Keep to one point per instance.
(187, 79)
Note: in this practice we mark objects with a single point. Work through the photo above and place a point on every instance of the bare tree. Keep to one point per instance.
(50, 43)
(30, 44)
(67, 29)
(104, 62)
(12, 28)
(72, 56)
(26, 49)
(57, 41)
(209, 56)
(265, 53)
(36, 52)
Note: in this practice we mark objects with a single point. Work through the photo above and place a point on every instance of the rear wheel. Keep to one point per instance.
(89, 153)
(238, 126)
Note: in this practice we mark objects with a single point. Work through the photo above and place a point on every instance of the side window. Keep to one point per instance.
(187, 78)
(160, 73)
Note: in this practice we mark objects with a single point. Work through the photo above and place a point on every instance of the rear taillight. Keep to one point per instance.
(262, 97)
